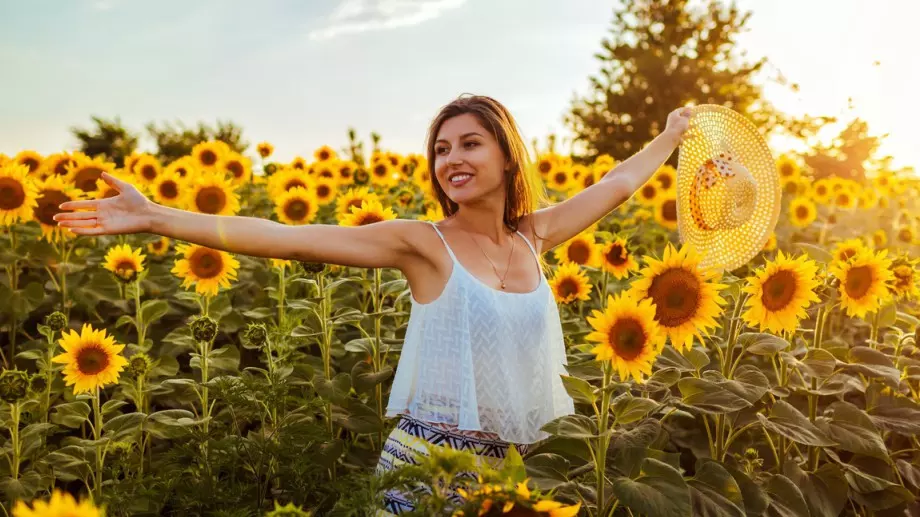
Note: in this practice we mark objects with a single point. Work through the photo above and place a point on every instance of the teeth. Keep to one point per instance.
(460, 177)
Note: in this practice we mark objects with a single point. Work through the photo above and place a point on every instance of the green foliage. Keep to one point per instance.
(108, 138)
(174, 142)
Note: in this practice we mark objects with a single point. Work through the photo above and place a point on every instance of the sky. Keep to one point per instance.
(300, 73)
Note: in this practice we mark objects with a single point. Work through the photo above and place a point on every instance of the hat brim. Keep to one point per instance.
(715, 129)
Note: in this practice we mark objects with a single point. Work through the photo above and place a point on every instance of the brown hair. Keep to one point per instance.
(524, 190)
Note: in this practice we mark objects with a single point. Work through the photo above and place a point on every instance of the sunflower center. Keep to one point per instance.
(181, 171)
(361, 176)
(85, 179)
(294, 183)
(211, 200)
(676, 293)
(236, 168)
(380, 170)
(369, 219)
(323, 191)
(12, 194)
(846, 254)
(208, 157)
(125, 269)
(801, 212)
(169, 189)
(48, 206)
(567, 287)
(628, 338)
(560, 178)
(296, 209)
(545, 167)
(355, 203)
(903, 276)
(821, 190)
(786, 169)
(617, 255)
(905, 235)
(345, 173)
(665, 181)
(31, 163)
(669, 210)
(579, 252)
(778, 290)
(92, 359)
(206, 263)
(648, 192)
(859, 280)
(323, 156)
(61, 168)
(149, 172)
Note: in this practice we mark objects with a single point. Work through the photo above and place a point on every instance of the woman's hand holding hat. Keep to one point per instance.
(678, 122)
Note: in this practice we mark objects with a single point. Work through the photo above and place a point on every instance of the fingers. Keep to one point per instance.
(95, 230)
(112, 181)
(79, 223)
(77, 205)
(75, 216)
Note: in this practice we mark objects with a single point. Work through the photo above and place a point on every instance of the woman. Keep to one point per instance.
(480, 365)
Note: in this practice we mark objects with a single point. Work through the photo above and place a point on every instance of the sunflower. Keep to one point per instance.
(802, 211)
(845, 250)
(184, 167)
(666, 177)
(59, 163)
(405, 198)
(867, 199)
(265, 149)
(561, 179)
(159, 247)
(167, 189)
(628, 335)
(353, 198)
(208, 154)
(556, 509)
(85, 172)
(61, 504)
(31, 159)
(211, 193)
(325, 153)
(91, 359)
(280, 263)
(787, 167)
(298, 163)
(207, 268)
(771, 242)
(125, 263)
(18, 194)
(863, 280)
(845, 198)
(648, 193)
(904, 278)
(297, 206)
(422, 179)
(821, 191)
(382, 173)
(686, 297)
(286, 179)
(344, 171)
(666, 211)
(104, 190)
(795, 186)
(432, 213)
(361, 177)
(617, 259)
(879, 239)
(780, 292)
(237, 167)
(579, 172)
(147, 169)
(52, 191)
(371, 211)
(570, 283)
(325, 190)
(580, 249)
(130, 161)
(906, 235)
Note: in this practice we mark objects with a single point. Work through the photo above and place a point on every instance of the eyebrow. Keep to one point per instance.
(464, 135)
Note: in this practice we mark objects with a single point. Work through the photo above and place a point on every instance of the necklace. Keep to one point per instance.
(507, 268)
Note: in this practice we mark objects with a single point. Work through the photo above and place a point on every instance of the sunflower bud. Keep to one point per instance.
(139, 365)
(270, 168)
(56, 321)
(313, 268)
(256, 335)
(14, 385)
(38, 383)
(288, 510)
(203, 329)
(361, 177)
(751, 454)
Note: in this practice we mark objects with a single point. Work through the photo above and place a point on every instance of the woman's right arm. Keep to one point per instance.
(384, 244)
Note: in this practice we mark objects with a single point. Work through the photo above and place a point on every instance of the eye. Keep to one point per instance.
(439, 150)
(471, 143)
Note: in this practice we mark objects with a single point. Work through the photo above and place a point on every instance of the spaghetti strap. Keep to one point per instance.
(529, 245)
(441, 235)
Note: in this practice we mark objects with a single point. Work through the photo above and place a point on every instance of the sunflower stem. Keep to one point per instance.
(378, 389)
(603, 439)
(814, 454)
(97, 435)
(281, 287)
(141, 327)
(873, 335)
(14, 440)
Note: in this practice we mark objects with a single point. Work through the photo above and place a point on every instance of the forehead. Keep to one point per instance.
(455, 127)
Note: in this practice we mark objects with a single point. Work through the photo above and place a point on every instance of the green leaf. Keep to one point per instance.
(908, 320)
(664, 378)
(580, 390)
(642, 435)
(358, 418)
(70, 414)
(329, 453)
(872, 363)
(862, 482)
(671, 358)
(124, 319)
(364, 377)
(572, 426)
(825, 490)
(817, 253)
(755, 501)
(547, 470)
(888, 315)
(259, 313)
(335, 390)
(885, 499)
(628, 409)
(749, 383)
(761, 343)
(225, 358)
(364, 345)
(659, 490)
(698, 358)
(164, 366)
(714, 492)
(709, 397)
(169, 423)
(153, 310)
(898, 414)
(788, 421)
(854, 431)
(819, 363)
(112, 405)
(123, 426)
(305, 331)
(786, 500)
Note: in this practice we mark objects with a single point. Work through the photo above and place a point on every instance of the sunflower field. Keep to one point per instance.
(149, 377)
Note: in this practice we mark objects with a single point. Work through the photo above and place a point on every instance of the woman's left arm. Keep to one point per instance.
(562, 221)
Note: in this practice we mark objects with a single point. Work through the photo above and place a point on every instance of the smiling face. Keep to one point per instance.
(468, 161)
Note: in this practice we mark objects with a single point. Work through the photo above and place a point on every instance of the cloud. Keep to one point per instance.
(355, 16)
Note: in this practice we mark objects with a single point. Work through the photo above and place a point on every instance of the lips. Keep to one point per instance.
(458, 179)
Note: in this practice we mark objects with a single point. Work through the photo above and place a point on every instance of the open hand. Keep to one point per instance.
(128, 212)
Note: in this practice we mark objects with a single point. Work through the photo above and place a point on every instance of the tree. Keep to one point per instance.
(109, 139)
(176, 142)
(662, 54)
(848, 155)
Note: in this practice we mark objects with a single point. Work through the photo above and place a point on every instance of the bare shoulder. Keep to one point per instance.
(529, 225)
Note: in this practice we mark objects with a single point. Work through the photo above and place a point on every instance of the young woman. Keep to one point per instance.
(480, 365)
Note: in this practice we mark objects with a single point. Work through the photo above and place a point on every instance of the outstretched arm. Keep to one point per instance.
(383, 244)
(562, 221)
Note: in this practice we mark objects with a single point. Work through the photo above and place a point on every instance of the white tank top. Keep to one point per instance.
(483, 359)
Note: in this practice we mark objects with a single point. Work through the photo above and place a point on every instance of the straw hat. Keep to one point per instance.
(728, 189)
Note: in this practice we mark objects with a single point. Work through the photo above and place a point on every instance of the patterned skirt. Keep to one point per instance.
(413, 437)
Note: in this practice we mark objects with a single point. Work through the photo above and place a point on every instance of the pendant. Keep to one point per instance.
(503, 285)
